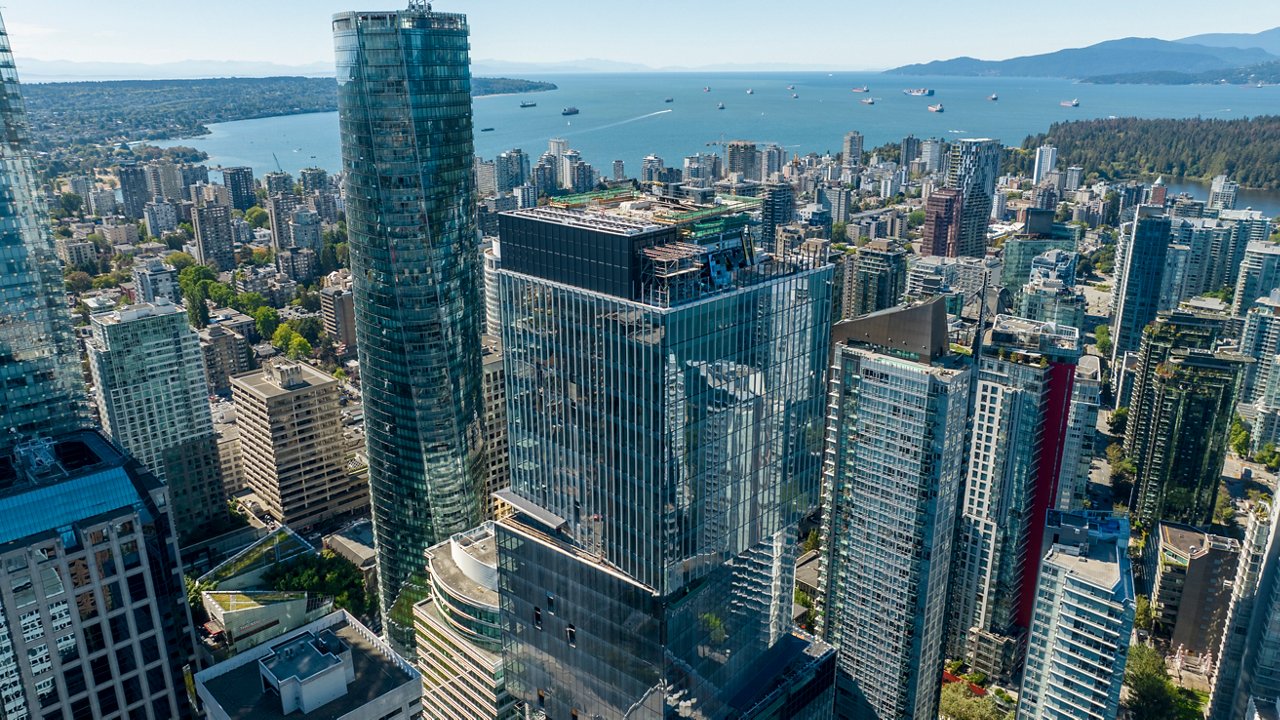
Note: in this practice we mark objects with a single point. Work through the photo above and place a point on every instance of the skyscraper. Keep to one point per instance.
(405, 115)
(973, 169)
(153, 399)
(239, 182)
(1259, 273)
(665, 426)
(133, 189)
(877, 278)
(851, 148)
(214, 244)
(941, 236)
(1140, 262)
(1020, 423)
(895, 464)
(778, 209)
(1222, 193)
(40, 387)
(1084, 612)
(1046, 162)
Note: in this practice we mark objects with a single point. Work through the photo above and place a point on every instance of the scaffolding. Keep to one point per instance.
(672, 273)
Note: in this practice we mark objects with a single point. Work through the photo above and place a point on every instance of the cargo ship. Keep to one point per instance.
(569, 111)
(527, 104)
(936, 108)
(918, 92)
(1070, 103)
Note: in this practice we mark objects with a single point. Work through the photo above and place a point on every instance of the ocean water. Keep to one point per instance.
(623, 116)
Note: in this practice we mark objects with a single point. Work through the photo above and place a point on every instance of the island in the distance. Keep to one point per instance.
(92, 113)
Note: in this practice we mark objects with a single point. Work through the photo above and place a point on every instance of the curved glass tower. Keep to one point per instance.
(41, 392)
(404, 104)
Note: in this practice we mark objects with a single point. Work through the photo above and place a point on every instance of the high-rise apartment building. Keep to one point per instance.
(93, 620)
(291, 442)
(1191, 592)
(778, 209)
(313, 179)
(153, 399)
(154, 279)
(743, 157)
(214, 244)
(277, 182)
(1084, 611)
(1260, 340)
(941, 235)
(1046, 162)
(895, 465)
(337, 315)
(41, 391)
(876, 278)
(1259, 274)
(497, 465)
(851, 148)
(239, 182)
(1140, 262)
(134, 194)
(1222, 193)
(1020, 425)
(1079, 447)
(1075, 178)
(407, 151)
(659, 461)
(280, 207)
(973, 168)
(160, 216)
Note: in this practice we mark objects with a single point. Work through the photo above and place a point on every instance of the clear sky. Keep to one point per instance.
(836, 34)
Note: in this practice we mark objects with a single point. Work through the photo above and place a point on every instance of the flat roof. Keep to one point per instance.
(1100, 565)
(262, 384)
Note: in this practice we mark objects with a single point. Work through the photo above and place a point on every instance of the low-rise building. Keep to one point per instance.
(1193, 576)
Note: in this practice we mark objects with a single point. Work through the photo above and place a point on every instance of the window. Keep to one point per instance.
(551, 604)
(537, 617)
(571, 633)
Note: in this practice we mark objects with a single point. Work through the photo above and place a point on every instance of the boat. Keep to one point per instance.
(936, 108)
(918, 92)
(993, 97)
(1070, 103)
(486, 129)
(860, 89)
(791, 87)
(868, 101)
(720, 106)
(750, 91)
(794, 96)
(569, 111)
(669, 100)
(706, 89)
(527, 104)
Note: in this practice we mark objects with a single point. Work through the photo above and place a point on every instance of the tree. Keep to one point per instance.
(221, 294)
(281, 338)
(1151, 694)
(915, 219)
(813, 542)
(959, 702)
(265, 321)
(1239, 436)
(249, 302)
(70, 203)
(1118, 421)
(197, 310)
(323, 574)
(256, 217)
(78, 281)
(180, 260)
(309, 328)
(1143, 617)
(1102, 335)
(299, 348)
(1224, 511)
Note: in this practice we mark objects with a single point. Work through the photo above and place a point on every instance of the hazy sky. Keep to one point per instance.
(839, 34)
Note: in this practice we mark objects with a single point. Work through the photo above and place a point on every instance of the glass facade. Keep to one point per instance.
(41, 392)
(405, 117)
(662, 452)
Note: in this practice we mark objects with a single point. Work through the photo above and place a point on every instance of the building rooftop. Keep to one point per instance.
(1098, 563)
(1191, 542)
(467, 564)
(281, 378)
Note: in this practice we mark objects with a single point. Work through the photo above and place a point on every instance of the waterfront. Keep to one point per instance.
(623, 116)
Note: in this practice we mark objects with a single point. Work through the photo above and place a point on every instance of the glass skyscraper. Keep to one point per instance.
(41, 392)
(405, 116)
(665, 424)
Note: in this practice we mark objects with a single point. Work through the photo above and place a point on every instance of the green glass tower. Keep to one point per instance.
(404, 106)
(41, 392)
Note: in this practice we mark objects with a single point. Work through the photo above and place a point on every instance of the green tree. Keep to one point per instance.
(1239, 436)
(221, 294)
(1143, 616)
(915, 219)
(266, 320)
(1151, 694)
(256, 217)
(813, 541)
(249, 302)
(197, 310)
(179, 260)
(78, 281)
(299, 348)
(959, 702)
(323, 574)
(1102, 336)
(1118, 421)
(1224, 510)
(70, 203)
(309, 328)
(282, 337)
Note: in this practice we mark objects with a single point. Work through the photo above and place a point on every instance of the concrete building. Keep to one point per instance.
(226, 353)
(1046, 162)
(291, 439)
(1020, 425)
(1192, 589)
(1084, 608)
(894, 469)
(941, 232)
(1260, 340)
(1259, 275)
(1140, 262)
(161, 217)
(132, 180)
(875, 279)
(1222, 193)
(153, 399)
(213, 244)
(337, 314)
(305, 231)
(331, 669)
(239, 182)
(154, 279)
(119, 233)
(498, 469)
(459, 632)
(1053, 301)
(280, 207)
(93, 621)
(76, 253)
(851, 149)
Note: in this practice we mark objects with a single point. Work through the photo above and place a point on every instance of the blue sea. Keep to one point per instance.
(623, 116)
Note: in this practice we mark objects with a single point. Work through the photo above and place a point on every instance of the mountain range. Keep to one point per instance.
(1118, 58)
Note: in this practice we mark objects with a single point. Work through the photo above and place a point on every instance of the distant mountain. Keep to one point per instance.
(1266, 74)
(31, 70)
(1128, 55)
(1268, 40)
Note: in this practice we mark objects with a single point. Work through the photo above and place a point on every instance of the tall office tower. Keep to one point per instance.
(742, 157)
(214, 245)
(280, 207)
(1259, 275)
(313, 179)
(1192, 589)
(305, 231)
(877, 278)
(851, 149)
(1075, 178)
(895, 464)
(1260, 340)
(497, 462)
(1222, 193)
(1140, 262)
(239, 181)
(291, 439)
(1079, 449)
(1046, 162)
(659, 461)
(778, 209)
(1020, 424)
(41, 391)
(619, 170)
(132, 179)
(941, 236)
(910, 150)
(1175, 329)
(1181, 442)
(88, 547)
(153, 399)
(1248, 660)
(973, 168)
(459, 633)
(1084, 608)
(277, 182)
(406, 152)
